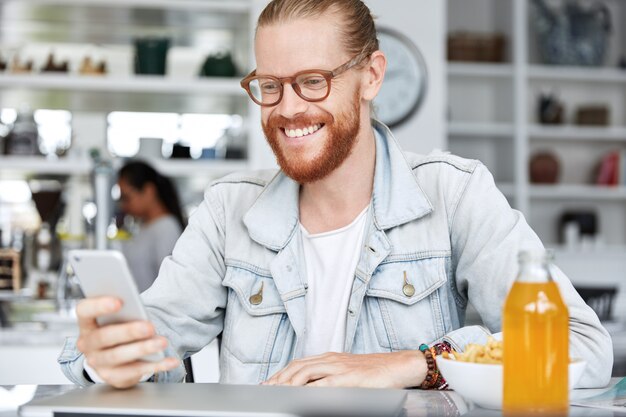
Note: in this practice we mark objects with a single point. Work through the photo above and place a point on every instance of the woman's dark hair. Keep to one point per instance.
(139, 173)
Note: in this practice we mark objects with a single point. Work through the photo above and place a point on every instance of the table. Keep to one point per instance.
(419, 403)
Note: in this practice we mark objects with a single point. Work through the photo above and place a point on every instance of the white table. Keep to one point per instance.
(419, 403)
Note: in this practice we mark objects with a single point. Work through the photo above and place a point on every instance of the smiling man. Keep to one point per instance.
(338, 267)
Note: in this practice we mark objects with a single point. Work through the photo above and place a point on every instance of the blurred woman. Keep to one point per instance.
(152, 199)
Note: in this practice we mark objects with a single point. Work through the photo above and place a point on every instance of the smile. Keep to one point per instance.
(301, 132)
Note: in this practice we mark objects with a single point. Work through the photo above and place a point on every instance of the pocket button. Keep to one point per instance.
(408, 290)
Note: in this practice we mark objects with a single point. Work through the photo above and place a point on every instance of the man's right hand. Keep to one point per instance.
(114, 351)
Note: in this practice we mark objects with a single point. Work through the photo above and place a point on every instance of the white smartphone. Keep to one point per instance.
(106, 273)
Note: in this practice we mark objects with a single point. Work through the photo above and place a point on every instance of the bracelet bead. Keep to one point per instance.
(433, 379)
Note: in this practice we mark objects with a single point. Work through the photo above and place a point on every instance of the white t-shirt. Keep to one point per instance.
(331, 259)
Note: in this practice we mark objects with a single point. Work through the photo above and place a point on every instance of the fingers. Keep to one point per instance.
(125, 353)
(115, 351)
(302, 371)
(329, 381)
(89, 309)
(281, 377)
(310, 373)
(130, 374)
(115, 334)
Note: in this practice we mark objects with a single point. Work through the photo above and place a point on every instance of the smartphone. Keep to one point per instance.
(106, 273)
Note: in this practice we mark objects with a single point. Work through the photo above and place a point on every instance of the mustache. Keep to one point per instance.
(278, 121)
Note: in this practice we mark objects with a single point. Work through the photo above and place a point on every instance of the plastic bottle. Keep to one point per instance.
(536, 341)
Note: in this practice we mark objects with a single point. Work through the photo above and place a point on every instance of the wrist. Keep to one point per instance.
(414, 368)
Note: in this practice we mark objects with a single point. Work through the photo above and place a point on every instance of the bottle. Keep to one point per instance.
(23, 138)
(536, 341)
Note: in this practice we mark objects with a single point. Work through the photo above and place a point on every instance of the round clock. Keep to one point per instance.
(404, 86)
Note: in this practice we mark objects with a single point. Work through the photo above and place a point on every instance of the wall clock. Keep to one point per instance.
(406, 78)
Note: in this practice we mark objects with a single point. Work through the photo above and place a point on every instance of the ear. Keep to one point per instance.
(374, 75)
(149, 190)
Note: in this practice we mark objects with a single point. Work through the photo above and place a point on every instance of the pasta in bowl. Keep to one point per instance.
(464, 371)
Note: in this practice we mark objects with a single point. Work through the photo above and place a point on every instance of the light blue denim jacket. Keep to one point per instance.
(439, 218)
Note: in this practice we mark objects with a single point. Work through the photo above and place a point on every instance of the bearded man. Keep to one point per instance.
(335, 269)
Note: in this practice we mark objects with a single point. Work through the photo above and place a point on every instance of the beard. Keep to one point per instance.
(340, 131)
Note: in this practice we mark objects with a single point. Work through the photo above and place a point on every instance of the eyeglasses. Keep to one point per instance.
(311, 85)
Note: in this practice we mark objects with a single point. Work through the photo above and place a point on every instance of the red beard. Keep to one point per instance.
(341, 133)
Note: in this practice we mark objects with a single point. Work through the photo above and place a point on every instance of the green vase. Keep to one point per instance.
(151, 55)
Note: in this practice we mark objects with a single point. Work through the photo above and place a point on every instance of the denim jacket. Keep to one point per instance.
(439, 218)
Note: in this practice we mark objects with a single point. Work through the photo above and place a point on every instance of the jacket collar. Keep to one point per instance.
(397, 197)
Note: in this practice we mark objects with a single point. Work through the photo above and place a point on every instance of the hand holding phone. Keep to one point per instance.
(116, 338)
(106, 273)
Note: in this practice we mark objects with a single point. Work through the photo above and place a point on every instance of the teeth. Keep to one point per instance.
(298, 133)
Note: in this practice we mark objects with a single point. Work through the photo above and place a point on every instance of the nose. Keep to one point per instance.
(291, 104)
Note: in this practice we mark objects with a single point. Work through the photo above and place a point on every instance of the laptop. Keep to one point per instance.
(219, 400)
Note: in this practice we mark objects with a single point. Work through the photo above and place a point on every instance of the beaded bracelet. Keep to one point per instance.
(434, 379)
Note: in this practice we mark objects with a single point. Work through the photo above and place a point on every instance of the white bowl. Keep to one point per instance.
(465, 377)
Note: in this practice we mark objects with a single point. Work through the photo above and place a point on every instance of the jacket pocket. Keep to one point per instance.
(403, 302)
(255, 320)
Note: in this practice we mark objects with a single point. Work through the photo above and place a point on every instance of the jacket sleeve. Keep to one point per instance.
(186, 302)
(486, 237)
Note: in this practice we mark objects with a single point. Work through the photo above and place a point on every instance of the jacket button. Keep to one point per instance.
(256, 299)
(408, 290)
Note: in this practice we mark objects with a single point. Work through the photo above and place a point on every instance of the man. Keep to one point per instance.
(334, 270)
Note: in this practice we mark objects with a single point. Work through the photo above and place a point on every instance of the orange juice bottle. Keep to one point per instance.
(536, 341)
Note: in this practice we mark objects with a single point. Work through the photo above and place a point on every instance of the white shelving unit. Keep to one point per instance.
(481, 129)
(578, 192)
(577, 133)
(563, 73)
(91, 95)
(468, 70)
(492, 116)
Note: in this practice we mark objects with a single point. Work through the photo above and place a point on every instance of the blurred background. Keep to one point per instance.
(535, 89)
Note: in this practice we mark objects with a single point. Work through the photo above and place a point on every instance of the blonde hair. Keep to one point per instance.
(358, 30)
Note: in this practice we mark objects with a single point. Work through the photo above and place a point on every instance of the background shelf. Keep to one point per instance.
(578, 133)
(481, 129)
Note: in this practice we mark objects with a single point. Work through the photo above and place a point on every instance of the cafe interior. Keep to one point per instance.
(534, 89)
